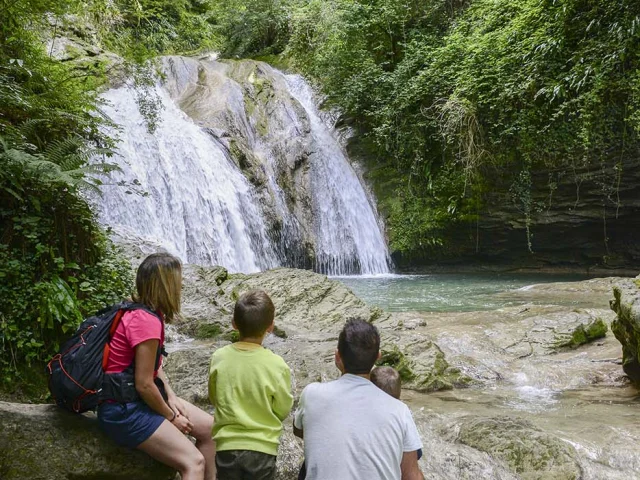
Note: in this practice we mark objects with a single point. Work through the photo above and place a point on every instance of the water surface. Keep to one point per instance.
(448, 292)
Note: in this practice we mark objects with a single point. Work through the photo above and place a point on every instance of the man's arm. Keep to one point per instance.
(299, 415)
(409, 466)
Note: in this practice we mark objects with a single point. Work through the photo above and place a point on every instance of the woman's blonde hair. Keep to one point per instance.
(159, 282)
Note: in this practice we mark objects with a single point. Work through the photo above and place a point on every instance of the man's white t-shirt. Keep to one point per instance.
(353, 430)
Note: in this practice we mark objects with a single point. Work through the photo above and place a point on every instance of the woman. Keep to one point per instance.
(156, 421)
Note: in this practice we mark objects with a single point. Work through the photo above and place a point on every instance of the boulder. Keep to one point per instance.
(43, 442)
(310, 312)
(306, 302)
(626, 325)
(529, 452)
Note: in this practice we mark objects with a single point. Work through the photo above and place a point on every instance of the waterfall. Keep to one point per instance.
(348, 238)
(289, 198)
(195, 202)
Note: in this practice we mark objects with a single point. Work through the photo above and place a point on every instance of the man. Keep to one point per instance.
(352, 429)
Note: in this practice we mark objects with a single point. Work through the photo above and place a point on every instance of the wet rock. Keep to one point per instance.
(305, 301)
(310, 312)
(422, 366)
(247, 107)
(626, 326)
(531, 453)
(543, 330)
(586, 333)
(43, 442)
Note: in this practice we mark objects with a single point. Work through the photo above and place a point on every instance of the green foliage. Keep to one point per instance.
(142, 29)
(493, 89)
(56, 265)
(252, 27)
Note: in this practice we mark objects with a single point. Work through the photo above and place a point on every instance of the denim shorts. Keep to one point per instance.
(128, 424)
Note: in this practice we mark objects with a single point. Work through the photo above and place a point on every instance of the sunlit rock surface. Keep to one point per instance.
(43, 442)
(626, 326)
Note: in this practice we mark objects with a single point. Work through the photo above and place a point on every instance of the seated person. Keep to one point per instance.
(388, 380)
(351, 429)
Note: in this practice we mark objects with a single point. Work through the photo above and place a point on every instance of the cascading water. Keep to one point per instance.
(348, 238)
(246, 212)
(199, 205)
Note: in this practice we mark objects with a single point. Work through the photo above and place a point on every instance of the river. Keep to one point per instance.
(495, 328)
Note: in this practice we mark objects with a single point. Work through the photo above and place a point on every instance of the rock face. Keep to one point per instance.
(247, 107)
(529, 452)
(583, 217)
(434, 355)
(42, 442)
(310, 312)
(626, 326)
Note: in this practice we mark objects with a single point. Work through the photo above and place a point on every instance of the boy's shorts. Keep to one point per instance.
(245, 464)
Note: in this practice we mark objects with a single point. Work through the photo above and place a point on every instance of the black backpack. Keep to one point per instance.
(76, 373)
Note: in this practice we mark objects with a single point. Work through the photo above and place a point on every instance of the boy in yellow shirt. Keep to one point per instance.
(250, 388)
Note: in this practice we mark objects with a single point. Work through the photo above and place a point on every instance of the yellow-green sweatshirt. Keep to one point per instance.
(250, 387)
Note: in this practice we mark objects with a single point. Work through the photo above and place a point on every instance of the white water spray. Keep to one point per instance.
(199, 205)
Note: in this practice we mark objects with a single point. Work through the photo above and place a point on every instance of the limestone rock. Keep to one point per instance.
(306, 302)
(422, 365)
(310, 312)
(43, 442)
(626, 326)
(529, 452)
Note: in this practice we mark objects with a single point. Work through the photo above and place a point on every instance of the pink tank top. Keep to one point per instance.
(135, 327)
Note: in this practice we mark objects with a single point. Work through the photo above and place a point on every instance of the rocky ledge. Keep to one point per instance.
(434, 353)
(42, 442)
(626, 326)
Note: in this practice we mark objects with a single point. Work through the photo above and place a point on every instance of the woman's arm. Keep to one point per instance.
(173, 400)
(144, 365)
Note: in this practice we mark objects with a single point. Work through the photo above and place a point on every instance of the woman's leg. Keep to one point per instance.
(202, 425)
(169, 446)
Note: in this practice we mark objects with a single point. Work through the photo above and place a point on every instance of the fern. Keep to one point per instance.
(65, 162)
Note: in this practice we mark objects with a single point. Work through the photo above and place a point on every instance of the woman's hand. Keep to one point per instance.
(182, 423)
(177, 405)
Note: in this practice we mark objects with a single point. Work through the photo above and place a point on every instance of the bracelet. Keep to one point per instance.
(174, 416)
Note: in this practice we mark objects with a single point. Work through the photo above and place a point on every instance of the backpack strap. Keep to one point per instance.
(128, 307)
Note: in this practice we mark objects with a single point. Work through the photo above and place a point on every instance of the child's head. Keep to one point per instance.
(388, 380)
(253, 314)
(159, 282)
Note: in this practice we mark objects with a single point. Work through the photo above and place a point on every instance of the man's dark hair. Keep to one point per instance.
(358, 344)
(253, 313)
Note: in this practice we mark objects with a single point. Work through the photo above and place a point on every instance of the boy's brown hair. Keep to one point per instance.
(159, 284)
(253, 313)
(388, 380)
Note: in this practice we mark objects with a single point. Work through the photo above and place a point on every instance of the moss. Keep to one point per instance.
(584, 334)
(637, 282)
(235, 294)
(625, 329)
(208, 330)
(396, 359)
(74, 51)
(232, 336)
(280, 62)
(376, 313)
(596, 329)
(279, 332)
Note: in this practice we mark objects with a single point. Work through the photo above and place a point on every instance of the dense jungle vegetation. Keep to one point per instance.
(445, 95)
